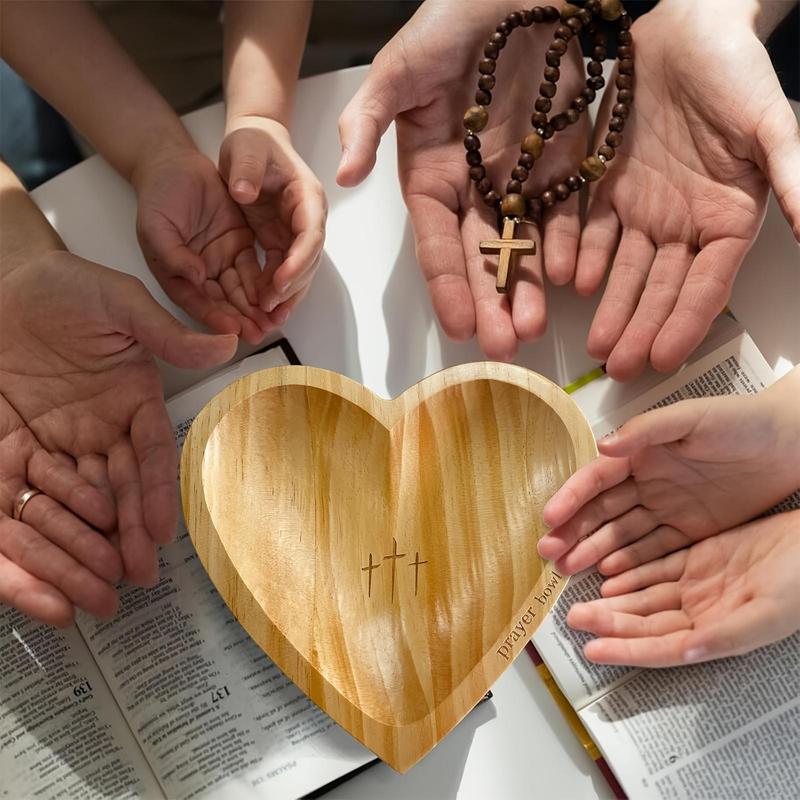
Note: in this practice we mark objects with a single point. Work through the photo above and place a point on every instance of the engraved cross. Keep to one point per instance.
(368, 569)
(416, 563)
(394, 556)
(506, 247)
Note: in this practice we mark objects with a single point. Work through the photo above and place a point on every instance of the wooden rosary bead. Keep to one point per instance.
(592, 168)
(588, 94)
(579, 104)
(551, 14)
(563, 32)
(535, 207)
(513, 205)
(561, 191)
(472, 142)
(477, 173)
(548, 198)
(574, 183)
(559, 46)
(607, 152)
(595, 83)
(620, 110)
(499, 39)
(568, 10)
(593, 6)
(594, 68)
(538, 14)
(483, 185)
(491, 199)
(572, 115)
(487, 82)
(519, 174)
(525, 160)
(475, 119)
(625, 66)
(614, 139)
(504, 28)
(624, 38)
(625, 96)
(533, 145)
(491, 50)
(513, 187)
(526, 18)
(542, 104)
(514, 19)
(559, 122)
(483, 98)
(610, 9)
(487, 66)
(600, 38)
(624, 22)
(474, 157)
(599, 53)
(552, 59)
(616, 124)
(552, 74)
(548, 130)
(624, 82)
(624, 51)
(538, 118)
(575, 25)
(585, 16)
(547, 89)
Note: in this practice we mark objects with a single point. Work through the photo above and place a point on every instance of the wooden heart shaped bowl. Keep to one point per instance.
(383, 552)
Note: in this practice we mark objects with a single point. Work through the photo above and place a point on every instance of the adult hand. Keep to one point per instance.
(424, 79)
(683, 200)
(676, 475)
(721, 597)
(283, 203)
(197, 243)
(50, 559)
(75, 363)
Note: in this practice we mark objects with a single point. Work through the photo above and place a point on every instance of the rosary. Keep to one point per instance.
(513, 207)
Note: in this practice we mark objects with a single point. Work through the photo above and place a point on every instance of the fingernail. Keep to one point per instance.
(244, 187)
(345, 156)
(695, 654)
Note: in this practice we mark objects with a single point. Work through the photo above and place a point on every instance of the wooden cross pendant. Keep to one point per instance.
(506, 247)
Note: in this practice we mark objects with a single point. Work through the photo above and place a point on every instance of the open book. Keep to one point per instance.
(723, 729)
(169, 699)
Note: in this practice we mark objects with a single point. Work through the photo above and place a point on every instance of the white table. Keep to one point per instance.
(368, 316)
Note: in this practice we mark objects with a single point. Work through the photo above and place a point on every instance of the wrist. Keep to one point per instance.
(158, 145)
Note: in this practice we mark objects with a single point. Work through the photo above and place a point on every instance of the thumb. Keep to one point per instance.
(366, 118)
(243, 161)
(778, 142)
(659, 426)
(135, 312)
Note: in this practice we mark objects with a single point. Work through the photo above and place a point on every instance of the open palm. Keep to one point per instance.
(424, 79)
(688, 192)
(75, 364)
(708, 601)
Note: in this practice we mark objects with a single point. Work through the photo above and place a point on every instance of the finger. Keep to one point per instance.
(650, 600)
(617, 533)
(249, 271)
(778, 142)
(632, 352)
(493, 322)
(600, 475)
(33, 553)
(600, 620)
(649, 651)
(528, 306)
(74, 537)
(367, 116)
(625, 285)
(440, 254)
(666, 569)
(606, 506)
(597, 244)
(254, 322)
(33, 597)
(659, 426)
(154, 446)
(138, 314)
(704, 295)
(282, 313)
(245, 157)
(657, 544)
(167, 253)
(137, 547)
(64, 484)
(562, 233)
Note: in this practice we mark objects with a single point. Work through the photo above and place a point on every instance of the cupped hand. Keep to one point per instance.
(75, 363)
(710, 130)
(720, 597)
(424, 79)
(676, 475)
(283, 203)
(50, 560)
(197, 243)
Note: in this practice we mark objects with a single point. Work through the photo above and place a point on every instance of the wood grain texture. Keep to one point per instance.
(383, 553)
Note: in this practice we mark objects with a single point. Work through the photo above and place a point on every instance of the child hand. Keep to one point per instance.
(676, 475)
(284, 205)
(197, 243)
(721, 597)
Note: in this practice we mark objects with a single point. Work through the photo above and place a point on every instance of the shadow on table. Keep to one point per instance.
(328, 311)
(560, 354)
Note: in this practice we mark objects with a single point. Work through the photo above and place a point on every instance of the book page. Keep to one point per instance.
(61, 733)
(214, 716)
(736, 367)
(728, 728)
